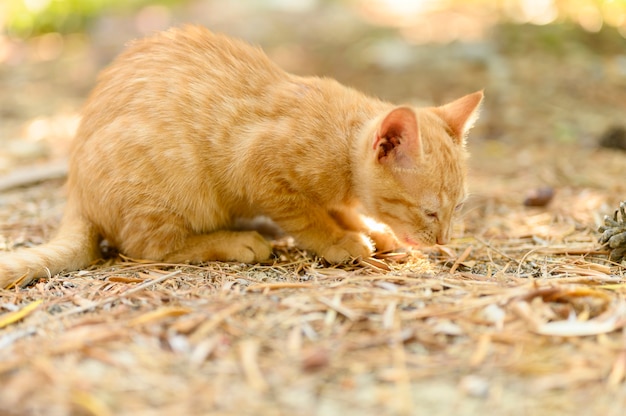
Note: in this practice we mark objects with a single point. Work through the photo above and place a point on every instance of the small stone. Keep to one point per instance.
(474, 386)
(315, 359)
(539, 197)
(613, 138)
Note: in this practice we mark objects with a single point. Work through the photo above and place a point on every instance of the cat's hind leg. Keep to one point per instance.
(239, 246)
(166, 237)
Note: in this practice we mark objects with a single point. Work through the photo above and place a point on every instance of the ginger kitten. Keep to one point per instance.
(187, 131)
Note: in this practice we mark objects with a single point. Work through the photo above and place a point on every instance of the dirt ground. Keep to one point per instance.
(522, 314)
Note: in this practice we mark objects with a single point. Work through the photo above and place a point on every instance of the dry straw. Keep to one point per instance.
(512, 325)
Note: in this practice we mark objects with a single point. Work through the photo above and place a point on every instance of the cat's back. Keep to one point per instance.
(196, 51)
(164, 93)
(176, 74)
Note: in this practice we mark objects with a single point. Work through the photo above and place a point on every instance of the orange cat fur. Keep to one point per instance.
(188, 131)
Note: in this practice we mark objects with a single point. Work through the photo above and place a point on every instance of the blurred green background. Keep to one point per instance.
(25, 18)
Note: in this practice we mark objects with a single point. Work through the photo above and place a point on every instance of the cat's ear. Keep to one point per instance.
(461, 114)
(397, 140)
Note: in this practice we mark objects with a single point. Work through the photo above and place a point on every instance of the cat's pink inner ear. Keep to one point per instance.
(461, 114)
(398, 136)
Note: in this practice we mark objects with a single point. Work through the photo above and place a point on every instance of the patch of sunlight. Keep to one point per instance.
(36, 6)
(424, 21)
(538, 12)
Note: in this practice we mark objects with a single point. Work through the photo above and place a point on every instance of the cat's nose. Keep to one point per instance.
(443, 236)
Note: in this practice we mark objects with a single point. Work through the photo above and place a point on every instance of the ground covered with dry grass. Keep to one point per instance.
(523, 314)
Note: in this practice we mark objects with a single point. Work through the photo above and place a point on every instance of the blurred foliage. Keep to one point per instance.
(24, 18)
(558, 39)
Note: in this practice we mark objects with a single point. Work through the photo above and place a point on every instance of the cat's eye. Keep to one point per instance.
(431, 214)
(458, 207)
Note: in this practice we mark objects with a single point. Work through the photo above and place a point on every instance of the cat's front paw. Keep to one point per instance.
(384, 240)
(352, 245)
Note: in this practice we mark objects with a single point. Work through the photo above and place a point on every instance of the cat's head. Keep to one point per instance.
(416, 168)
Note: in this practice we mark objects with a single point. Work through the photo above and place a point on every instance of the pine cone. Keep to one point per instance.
(614, 233)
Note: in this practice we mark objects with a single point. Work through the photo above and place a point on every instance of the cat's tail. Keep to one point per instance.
(75, 246)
